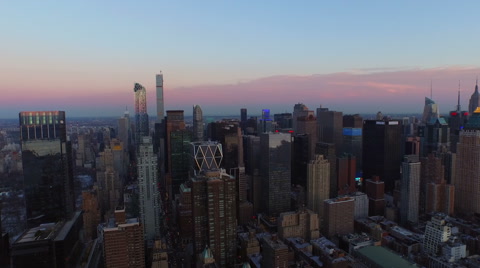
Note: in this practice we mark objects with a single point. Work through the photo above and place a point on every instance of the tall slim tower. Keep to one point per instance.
(456, 121)
(141, 116)
(467, 177)
(197, 123)
(243, 119)
(318, 184)
(346, 170)
(410, 191)
(47, 166)
(124, 130)
(148, 188)
(474, 100)
(275, 168)
(160, 109)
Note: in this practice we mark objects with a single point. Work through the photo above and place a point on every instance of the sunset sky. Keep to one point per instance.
(353, 56)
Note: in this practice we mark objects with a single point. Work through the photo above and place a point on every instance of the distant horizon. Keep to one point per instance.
(153, 118)
(355, 57)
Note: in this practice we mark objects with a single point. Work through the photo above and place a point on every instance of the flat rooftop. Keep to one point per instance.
(385, 258)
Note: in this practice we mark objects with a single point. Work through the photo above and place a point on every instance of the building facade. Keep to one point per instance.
(149, 195)
(141, 117)
(318, 184)
(214, 215)
(47, 166)
(410, 191)
(467, 177)
(275, 170)
(382, 150)
(198, 131)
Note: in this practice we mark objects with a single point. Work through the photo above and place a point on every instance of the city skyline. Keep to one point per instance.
(214, 54)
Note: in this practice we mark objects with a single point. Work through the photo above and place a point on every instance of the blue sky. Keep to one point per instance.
(108, 45)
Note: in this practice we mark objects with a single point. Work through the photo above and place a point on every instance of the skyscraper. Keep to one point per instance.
(275, 163)
(300, 159)
(430, 111)
(123, 244)
(174, 122)
(346, 169)
(318, 184)
(382, 150)
(474, 100)
(328, 152)
(437, 136)
(124, 130)
(283, 120)
(228, 133)
(330, 127)
(197, 123)
(308, 125)
(265, 123)
(456, 121)
(160, 109)
(352, 121)
(299, 109)
(376, 196)
(180, 157)
(214, 215)
(352, 143)
(149, 195)
(141, 116)
(339, 216)
(47, 166)
(410, 191)
(243, 119)
(467, 178)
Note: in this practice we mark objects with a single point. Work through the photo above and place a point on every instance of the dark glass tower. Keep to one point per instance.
(330, 127)
(197, 123)
(382, 150)
(243, 119)
(437, 136)
(180, 157)
(47, 166)
(275, 168)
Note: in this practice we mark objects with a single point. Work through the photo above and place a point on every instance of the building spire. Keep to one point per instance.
(476, 85)
(458, 101)
(431, 89)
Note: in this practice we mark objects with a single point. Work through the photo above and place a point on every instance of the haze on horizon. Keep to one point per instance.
(84, 57)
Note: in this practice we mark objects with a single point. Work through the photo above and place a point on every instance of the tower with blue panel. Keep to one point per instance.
(352, 144)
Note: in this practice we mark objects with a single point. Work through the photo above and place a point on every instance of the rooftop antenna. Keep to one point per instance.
(431, 89)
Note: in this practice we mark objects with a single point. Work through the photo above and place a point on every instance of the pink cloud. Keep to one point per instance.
(391, 90)
(364, 91)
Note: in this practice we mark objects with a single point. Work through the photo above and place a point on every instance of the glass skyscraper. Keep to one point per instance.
(275, 168)
(141, 116)
(47, 166)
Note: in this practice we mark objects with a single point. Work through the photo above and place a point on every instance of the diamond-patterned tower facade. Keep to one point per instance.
(207, 155)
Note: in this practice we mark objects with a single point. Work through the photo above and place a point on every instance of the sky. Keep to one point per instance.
(353, 56)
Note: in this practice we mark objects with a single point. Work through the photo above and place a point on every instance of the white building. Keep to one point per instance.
(148, 188)
(361, 205)
(437, 232)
